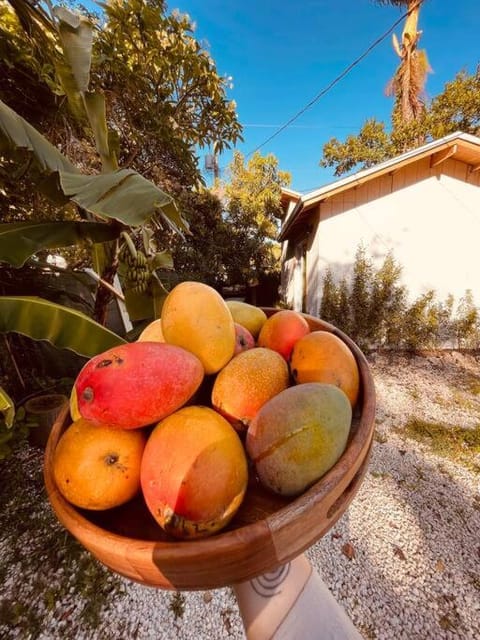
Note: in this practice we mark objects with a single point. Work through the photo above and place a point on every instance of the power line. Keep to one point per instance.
(302, 126)
(337, 79)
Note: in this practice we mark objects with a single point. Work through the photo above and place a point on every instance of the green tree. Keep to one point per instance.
(456, 108)
(165, 95)
(421, 322)
(387, 304)
(360, 296)
(252, 210)
(330, 298)
(206, 253)
(467, 322)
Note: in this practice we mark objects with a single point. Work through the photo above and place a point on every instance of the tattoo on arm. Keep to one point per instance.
(270, 584)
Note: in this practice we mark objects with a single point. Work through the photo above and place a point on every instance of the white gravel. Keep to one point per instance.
(404, 560)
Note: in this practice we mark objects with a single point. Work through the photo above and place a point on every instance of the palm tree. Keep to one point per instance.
(408, 83)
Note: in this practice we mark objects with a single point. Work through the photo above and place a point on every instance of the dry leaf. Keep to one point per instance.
(440, 566)
(348, 550)
(399, 553)
(335, 536)
(207, 597)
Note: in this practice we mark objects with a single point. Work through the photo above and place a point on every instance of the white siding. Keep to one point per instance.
(431, 224)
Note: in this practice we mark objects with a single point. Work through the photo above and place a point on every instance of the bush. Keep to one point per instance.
(373, 309)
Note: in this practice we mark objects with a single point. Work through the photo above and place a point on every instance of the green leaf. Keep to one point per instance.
(7, 408)
(64, 327)
(123, 195)
(20, 240)
(76, 34)
(95, 107)
(161, 260)
(140, 306)
(17, 133)
(69, 86)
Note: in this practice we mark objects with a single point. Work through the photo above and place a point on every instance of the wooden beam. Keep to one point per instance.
(475, 167)
(441, 156)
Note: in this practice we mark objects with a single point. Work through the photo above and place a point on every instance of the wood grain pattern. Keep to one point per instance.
(267, 531)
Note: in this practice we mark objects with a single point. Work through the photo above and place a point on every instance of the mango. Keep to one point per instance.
(194, 472)
(322, 356)
(249, 316)
(282, 330)
(152, 332)
(98, 467)
(299, 435)
(196, 317)
(136, 384)
(73, 403)
(246, 383)
(243, 339)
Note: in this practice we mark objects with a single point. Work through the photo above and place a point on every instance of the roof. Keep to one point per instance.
(459, 146)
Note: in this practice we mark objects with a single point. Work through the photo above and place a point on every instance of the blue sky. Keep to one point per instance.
(281, 54)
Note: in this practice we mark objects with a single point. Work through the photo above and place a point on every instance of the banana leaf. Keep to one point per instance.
(7, 408)
(16, 133)
(61, 326)
(123, 195)
(76, 35)
(20, 240)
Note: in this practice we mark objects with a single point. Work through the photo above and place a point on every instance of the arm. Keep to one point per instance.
(292, 602)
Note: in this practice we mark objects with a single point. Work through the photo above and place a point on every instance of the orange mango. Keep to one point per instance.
(194, 472)
(322, 356)
(282, 330)
(247, 382)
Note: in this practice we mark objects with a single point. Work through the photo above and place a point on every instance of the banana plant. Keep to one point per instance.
(115, 203)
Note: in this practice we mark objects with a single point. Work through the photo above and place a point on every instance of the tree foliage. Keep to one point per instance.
(233, 226)
(164, 96)
(456, 108)
(164, 92)
(253, 210)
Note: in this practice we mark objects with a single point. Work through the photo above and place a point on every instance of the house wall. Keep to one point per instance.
(428, 217)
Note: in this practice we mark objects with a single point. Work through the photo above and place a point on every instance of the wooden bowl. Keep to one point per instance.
(267, 531)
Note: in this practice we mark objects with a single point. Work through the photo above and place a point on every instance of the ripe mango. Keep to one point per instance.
(152, 332)
(249, 316)
(194, 472)
(73, 403)
(98, 467)
(322, 356)
(137, 384)
(298, 435)
(246, 383)
(282, 330)
(196, 317)
(243, 339)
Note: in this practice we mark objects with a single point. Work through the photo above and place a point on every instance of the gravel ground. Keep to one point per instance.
(404, 560)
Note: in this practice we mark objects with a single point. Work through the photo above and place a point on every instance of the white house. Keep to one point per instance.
(423, 206)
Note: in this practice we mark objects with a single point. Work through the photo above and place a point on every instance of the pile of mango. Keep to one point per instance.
(211, 390)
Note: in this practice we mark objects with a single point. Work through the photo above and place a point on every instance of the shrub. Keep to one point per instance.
(372, 307)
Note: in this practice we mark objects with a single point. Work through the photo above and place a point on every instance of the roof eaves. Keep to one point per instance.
(314, 197)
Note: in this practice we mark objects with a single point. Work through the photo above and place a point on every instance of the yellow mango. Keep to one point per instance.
(196, 317)
(247, 315)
